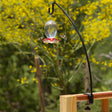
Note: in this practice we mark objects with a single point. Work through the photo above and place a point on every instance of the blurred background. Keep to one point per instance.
(63, 65)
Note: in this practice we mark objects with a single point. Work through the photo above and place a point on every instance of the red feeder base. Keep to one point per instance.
(51, 40)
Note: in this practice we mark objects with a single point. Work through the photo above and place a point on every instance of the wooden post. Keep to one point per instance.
(105, 105)
(86, 78)
(87, 88)
(68, 104)
(41, 95)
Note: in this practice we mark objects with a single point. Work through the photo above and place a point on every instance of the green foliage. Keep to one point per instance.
(62, 64)
(52, 101)
(13, 96)
(102, 70)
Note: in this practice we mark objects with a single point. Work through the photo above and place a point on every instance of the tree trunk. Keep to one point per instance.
(87, 88)
(41, 94)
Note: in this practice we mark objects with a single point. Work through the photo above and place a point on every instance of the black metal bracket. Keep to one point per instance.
(90, 97)
(87, 108)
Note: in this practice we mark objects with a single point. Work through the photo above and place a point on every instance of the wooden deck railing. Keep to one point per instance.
(68, 103)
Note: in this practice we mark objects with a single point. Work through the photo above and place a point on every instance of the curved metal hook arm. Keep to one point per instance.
(52, 9)
(89, 95)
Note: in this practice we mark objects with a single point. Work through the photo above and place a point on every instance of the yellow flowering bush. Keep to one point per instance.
(97, 21)
(22, 22)
(22, 26)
